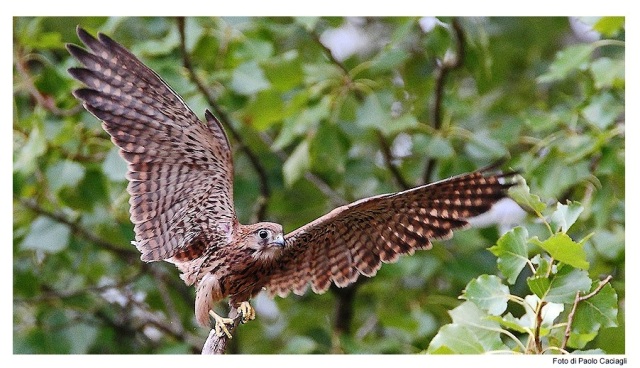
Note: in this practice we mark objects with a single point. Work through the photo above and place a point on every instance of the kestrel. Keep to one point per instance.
(180, 174)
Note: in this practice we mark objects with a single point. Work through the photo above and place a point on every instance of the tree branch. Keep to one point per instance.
(448, 64)
(388, 160)
(129, 255)
(536, 335)
(218, 344)
(578, 299)
(384, 147)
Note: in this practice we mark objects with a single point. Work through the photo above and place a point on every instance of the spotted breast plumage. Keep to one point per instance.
(180, 176)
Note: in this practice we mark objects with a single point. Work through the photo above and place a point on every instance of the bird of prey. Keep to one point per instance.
(180, 175)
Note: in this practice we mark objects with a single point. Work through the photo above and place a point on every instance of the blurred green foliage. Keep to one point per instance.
(325, 131)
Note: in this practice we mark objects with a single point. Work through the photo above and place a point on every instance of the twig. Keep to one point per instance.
(388, 160)
(448, 65)
(536, 335)
(49, 293)
(265, 191)
(384, 147)
(42, 100)
(129, 255)
(329, 54)
(578, 299)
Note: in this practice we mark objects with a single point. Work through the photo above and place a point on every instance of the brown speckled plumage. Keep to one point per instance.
(180, 176)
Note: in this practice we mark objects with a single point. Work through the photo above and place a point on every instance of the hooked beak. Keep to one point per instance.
(278, 241)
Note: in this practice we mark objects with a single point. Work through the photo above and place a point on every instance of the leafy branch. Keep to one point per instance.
(130, 255)
(558, 279)
(581, 298)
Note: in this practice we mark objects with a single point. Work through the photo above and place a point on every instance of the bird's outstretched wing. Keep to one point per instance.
(180, 169)
(357, 238)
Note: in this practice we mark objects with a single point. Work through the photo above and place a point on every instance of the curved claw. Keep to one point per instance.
(247, 312)
(220, 324)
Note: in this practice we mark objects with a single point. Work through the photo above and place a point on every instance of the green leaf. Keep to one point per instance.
(566, 283)
(320, 72)
(284, 71)
(540, 121)
(455, 339)
(607, 72)
(64, 174)
(543, 265)
(375, 113)
(439, 147)
(523, 197)
(371, 114)
(565, 216)
(253, 49)
(47, 40)
(488, 293)
(47, 235)
(158, 47)
(561, 247)
(472, 332)
(511, 322)
(484, 146)
(599, 311)
(327, 149)
(539, 285)
(399, 124)
(248, 78)
(297, 164)
(92, 189)
(35, 147)
(265, 109)
(609, 26)
(567, 60)
(561, 287)
(513, 255)
(580, 340)
(303, 122)
(609, 244)
(388, 60)
(81, 336)
(603, 110)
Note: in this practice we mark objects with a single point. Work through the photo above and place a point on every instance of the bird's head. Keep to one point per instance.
(266, 239)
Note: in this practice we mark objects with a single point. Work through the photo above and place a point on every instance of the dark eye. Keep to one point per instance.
(263, 234)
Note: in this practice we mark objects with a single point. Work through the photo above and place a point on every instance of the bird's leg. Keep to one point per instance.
(247, 312)
(220, 324)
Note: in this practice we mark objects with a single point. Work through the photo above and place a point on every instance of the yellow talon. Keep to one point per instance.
(247, 312)
(220, 324)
